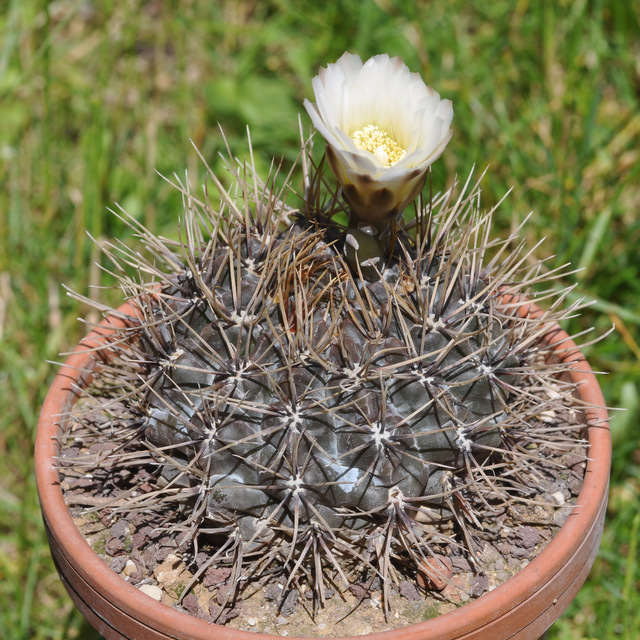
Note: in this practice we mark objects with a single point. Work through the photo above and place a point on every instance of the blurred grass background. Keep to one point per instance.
(96, 96)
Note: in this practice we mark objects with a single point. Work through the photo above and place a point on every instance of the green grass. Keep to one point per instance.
(95, 97)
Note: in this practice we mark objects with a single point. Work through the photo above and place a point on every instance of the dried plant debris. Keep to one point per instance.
(308, 415)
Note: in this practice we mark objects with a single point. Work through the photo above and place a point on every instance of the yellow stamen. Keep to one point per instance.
(377, 141)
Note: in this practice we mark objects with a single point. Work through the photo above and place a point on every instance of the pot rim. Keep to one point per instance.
(514, 593)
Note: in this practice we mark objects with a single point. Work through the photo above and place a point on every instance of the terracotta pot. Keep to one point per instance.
(522, 608)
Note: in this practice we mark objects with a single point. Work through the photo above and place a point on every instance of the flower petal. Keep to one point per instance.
(381, 92)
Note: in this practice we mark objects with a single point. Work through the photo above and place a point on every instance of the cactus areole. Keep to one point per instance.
(319, 385)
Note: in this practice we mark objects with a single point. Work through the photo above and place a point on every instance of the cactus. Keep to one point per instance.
(317, 396)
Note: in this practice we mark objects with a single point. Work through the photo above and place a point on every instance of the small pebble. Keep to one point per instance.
(434, 573)
(528, 536)
(190, 603)
(409, 590)
(120, 529)
(558, 496)
(289, 605)
(118, 564)
(171, 561)
(129, 568)
(114, 546)
(273, 592)
(152, 591)
(252, 622)
(479, 585)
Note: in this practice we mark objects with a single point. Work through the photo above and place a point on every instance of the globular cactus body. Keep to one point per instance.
(307, 408)
(301, 394)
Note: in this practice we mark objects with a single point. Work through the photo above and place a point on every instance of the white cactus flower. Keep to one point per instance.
(384, 127)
